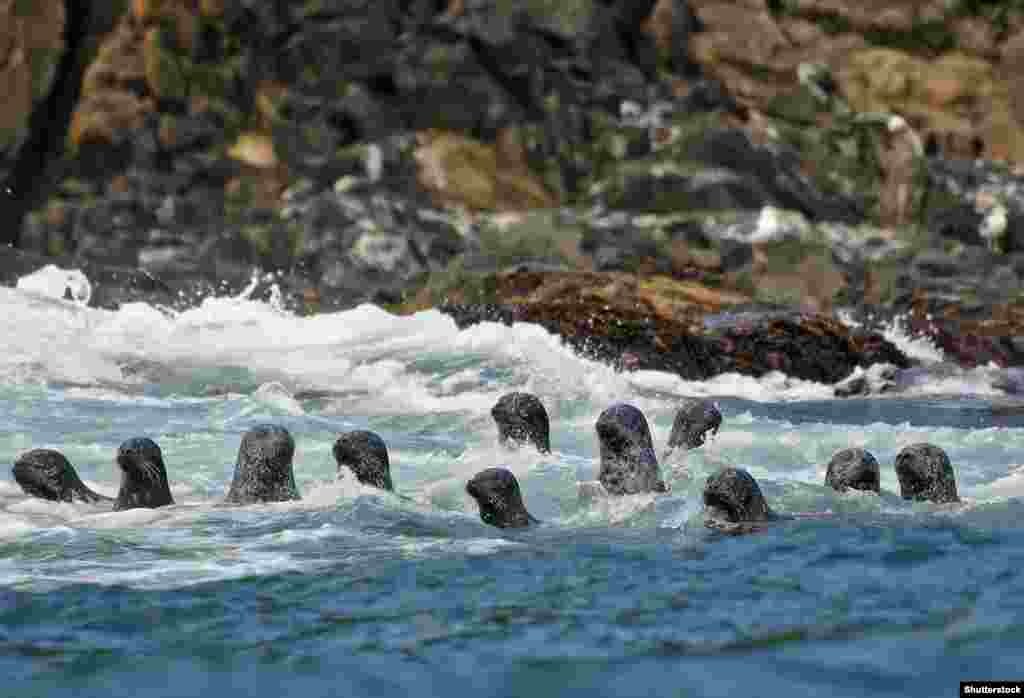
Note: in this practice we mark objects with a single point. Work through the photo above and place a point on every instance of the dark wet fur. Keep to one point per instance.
(926, 474)
(497, 494)
(732, 496)
(521, 418)
(366, 455)
(694, 419)
(628, 463)
(263, 471)
(853, 468)
(143, 476)
(47, 474)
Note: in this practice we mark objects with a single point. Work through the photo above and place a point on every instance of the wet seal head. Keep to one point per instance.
(366, 455)
(628, 463)
(521, 418)
(143, 476)
(694, 419)
(47, 474)
(925, 474)
(732, 496)
(263, 472)
(497, 494)
(853, 469)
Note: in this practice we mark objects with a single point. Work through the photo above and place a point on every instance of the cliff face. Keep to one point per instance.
(798, 153)
(31, 45)
(951, 69)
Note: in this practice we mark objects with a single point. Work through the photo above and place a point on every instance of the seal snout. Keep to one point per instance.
(366, 455)
(695, 419)
(628, 463)
(143, 476)
(853, 468)
(499, 499)
(521, 418)
(926, 474)
(732, 495)
(263, 471)
(47, 474)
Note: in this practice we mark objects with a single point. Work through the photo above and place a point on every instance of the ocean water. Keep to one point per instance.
(354, 592)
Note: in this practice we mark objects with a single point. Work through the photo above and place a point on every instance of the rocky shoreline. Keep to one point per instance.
(692, 186)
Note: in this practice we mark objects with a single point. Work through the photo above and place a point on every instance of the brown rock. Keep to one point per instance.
(31, 43)
(107, 118)
(955, 93)
(462, 171)
(741, 33)
(801, 32)
(659, 25)
(1012, 68)
(866, 15)
(212, 8)
(976, 35)
(113, 102)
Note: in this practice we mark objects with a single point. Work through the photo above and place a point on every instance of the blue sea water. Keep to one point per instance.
(354, 592)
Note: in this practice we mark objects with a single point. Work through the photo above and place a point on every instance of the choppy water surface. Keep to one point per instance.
(356, 592)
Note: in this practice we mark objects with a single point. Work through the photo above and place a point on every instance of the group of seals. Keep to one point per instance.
(263, 471)
(923, 470)
(628, 461)
(733, 501)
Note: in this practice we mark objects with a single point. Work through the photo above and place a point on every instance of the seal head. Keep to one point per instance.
(694, 419)
(47, 474)
(853, 469)
(143, 476)
(263, 472)
(628, 463)
(521, 418)
(366, 455)
(732, 495)
(926, 474)
(496, 492)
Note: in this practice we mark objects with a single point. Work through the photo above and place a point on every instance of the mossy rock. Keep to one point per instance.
(530, 236)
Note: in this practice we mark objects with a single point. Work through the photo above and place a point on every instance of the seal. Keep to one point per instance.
(143, 476)
(628, 463)
(733, 502)
(48, 474)
(496, 492)
(695, 417)
(366, 455)
(521, 418)
(263, 471)
(926, 474)
(853, 469)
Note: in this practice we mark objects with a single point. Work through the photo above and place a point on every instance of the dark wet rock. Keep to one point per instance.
(926, 474)
(876, 380)
(497, 494)
(776, 170)
(812, 346)
(638, 323)
(695, 419)
(48, 474)
(366, 455)
(853, 468)
(521, 418)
